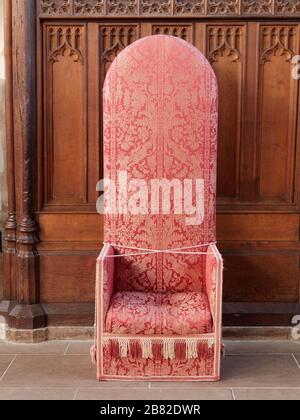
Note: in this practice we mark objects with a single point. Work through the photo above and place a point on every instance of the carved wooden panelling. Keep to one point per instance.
(257, 7)
(90, 8)
(64, 115)
(122, 7)
(55, 7)
(189, 7)
(210, 8)
(182, 31)
(250, 44)
(64, 41)
(155, 7)
(287, 7)
(223, 7)
(277, 111)
(225, 51)
(113, 40)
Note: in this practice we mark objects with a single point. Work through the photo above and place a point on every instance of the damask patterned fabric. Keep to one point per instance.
(159, 315)
(179, 272)
(150, 313)
(133, 368)
(160, 122)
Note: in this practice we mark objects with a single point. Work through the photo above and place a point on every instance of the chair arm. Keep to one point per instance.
(105, 279)
(214, 281)
(104, 291)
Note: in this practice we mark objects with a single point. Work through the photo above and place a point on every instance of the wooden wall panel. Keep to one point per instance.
(67, 278)
(183, 31)
(225, 51)
(261, 278)
(277, 113)
(71, 227)
(250, 46)
(254, 169)
(113, 39)
(258, 227)
(94, 164)
(65, 115)
(168, 8)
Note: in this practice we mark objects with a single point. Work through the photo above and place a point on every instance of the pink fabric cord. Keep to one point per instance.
(159, 278)
(188, 250)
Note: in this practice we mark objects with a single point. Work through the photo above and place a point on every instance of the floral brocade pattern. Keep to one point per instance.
(136, 368)
(160, 122)
(159, 313)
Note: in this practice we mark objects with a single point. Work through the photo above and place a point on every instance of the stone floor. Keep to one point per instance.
(62, 370)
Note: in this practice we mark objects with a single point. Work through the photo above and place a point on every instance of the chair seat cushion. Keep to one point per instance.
(150, 313)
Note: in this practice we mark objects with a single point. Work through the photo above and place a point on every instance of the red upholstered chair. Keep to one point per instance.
(159, 313)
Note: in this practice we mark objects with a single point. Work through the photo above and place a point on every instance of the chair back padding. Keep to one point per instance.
(160, 122)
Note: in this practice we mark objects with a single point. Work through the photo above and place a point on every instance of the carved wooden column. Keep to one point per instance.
(27, 313)
(10, 226)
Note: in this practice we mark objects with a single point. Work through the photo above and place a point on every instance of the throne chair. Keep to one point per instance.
(159, 275)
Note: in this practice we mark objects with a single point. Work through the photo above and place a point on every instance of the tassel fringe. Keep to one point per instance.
(124, 347)
(147, 352)
(151, 348)
(192, 349)
(169, 349)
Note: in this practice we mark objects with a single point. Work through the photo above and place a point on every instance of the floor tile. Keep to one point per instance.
(34, 394)
(153, 394)
(49, 371)
(50, 347)
(267, 394)
(261, 371)
(80, 347)
(55, 371)
(268, 346)
(48, 367)
(5, 361)
(195, 394)
(250, 371)
(116, 394)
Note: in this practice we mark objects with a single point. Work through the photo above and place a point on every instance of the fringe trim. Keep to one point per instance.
(151, 348)
(192, 349)
(147, 352)
(169, 349)
(124, 347)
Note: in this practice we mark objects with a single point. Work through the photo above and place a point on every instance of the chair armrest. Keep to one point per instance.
(214, 281)
(105, 279)
(104, 291)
